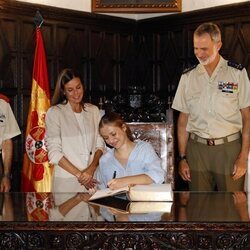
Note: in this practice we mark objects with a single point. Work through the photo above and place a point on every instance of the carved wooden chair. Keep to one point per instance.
(160, 135)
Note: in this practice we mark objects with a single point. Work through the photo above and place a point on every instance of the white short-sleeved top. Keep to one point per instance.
(213, 103)
(8, 124)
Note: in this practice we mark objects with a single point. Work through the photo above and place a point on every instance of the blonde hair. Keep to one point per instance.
(117, 121)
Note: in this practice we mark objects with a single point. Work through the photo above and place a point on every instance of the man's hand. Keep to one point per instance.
(5, 184)
(184, 170)
(240, 201)
(240, 168)
(7, 154)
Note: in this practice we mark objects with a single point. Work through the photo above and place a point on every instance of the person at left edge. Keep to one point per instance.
(72, 137)
(8, 129)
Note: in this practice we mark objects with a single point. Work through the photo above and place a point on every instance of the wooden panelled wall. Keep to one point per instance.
(167, 43)
(111, 53)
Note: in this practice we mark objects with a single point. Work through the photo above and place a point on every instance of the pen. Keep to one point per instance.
(114, 175)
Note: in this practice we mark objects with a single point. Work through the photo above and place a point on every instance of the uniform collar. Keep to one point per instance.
(222, 63)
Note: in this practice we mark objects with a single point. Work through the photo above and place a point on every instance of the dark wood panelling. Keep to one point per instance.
(127, 57)
(110, 53)
(87, 42)
(174, 44)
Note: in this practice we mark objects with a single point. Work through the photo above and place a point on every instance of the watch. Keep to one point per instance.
(182, 157)
(182, 206)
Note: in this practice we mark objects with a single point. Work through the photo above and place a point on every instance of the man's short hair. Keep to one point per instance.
(210, 28)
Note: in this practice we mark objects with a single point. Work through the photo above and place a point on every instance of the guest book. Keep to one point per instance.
(132, 207)
(152, 192)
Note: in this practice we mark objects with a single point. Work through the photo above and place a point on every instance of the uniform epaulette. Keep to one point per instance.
(235, 65)
(189, 69)
(5, 98)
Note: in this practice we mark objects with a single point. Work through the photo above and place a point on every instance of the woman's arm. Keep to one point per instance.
(54, 142)
(86, 176)
(94, 164)
(69, 167)
(141, 179)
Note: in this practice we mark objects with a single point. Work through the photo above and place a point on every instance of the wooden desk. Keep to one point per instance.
(207, 221)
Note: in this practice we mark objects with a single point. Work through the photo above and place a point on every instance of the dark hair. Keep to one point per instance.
(210, 28)
(64, 77)
(117, 121)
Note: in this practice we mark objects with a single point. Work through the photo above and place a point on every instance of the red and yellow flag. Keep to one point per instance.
(38, 206)
(37, 172)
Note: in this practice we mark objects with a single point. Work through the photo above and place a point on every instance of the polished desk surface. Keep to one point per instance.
(204, 207)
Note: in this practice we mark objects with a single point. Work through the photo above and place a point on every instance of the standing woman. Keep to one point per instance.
(128, 162)
(72, 137)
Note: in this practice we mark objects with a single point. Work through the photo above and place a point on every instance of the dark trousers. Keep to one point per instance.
(212, 166)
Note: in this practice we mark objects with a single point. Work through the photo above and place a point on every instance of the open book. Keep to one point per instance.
(153, 192)
(130, 207)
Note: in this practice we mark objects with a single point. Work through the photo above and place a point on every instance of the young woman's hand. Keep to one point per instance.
(118, 183)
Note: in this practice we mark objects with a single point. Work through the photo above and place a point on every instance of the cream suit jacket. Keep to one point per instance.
(66, 137)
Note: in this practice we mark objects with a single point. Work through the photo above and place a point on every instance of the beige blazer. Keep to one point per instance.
(66, 137)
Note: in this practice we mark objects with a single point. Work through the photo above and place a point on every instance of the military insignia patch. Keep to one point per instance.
(235, 65)
(189, 69)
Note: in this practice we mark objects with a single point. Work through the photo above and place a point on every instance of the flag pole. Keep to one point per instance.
(38, 19)
(37, 171)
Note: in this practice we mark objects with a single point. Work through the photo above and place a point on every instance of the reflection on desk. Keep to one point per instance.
(119, 208)
(113, 215)
(187, 207)
(59, 207)
(110, 214)
(68, 221)
(213, 207)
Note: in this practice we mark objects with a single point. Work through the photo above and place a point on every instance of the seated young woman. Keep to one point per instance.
(127, 162)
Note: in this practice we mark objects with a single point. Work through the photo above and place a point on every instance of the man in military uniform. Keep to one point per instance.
(8, 129)
(213, 127)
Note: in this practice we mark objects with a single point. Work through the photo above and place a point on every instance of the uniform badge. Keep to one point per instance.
(228, 87)
(2, 117)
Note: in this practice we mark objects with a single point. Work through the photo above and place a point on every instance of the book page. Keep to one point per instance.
(153, 192)
(107, 192)
(150, 207)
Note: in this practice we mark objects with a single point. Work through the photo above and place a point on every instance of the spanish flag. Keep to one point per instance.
(37, 172)
(38, 206)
